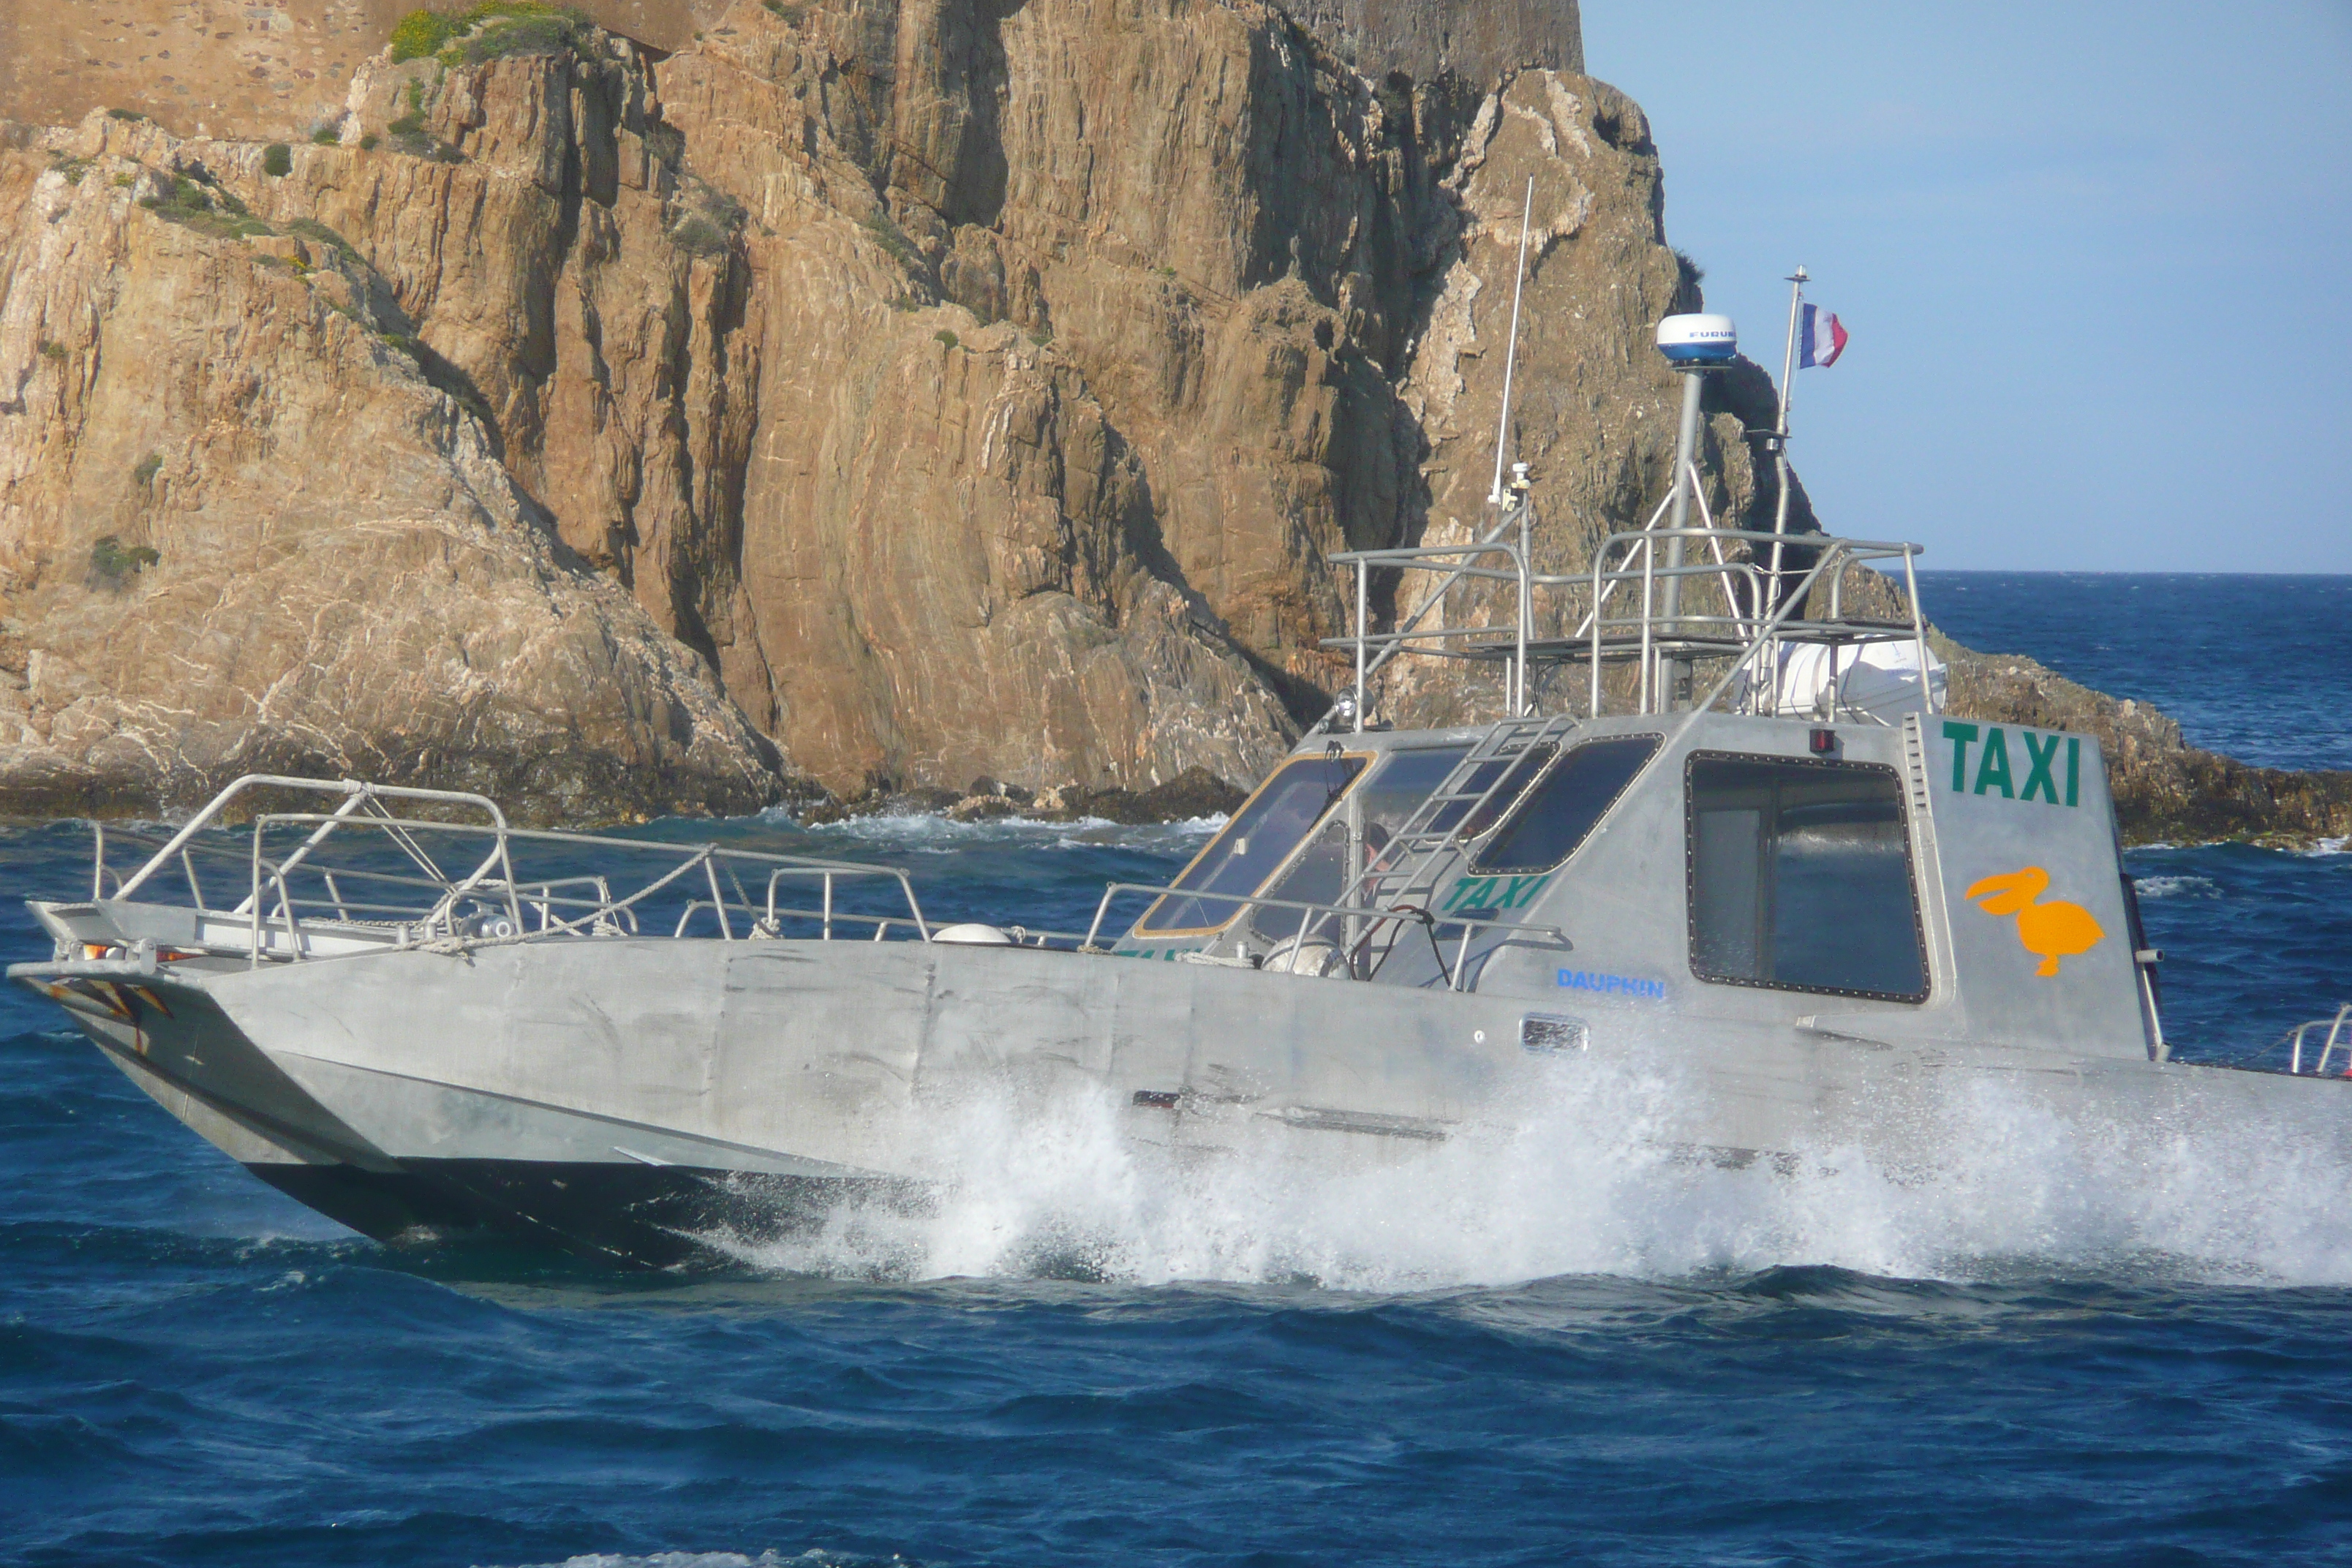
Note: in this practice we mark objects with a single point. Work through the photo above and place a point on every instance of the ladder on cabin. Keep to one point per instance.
(1489, 775)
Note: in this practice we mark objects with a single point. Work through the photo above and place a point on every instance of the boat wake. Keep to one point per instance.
(1033, 1184)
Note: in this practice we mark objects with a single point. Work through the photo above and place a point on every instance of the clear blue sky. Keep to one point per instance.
(2096, 260)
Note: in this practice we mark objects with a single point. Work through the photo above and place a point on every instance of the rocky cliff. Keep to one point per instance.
(857, 395)
(276, 69)
(931, 391)
(266, 71)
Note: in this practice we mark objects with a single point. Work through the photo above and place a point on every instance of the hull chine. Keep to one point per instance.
(625, 1214)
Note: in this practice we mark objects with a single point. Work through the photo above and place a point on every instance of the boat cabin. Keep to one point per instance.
(1754, 809)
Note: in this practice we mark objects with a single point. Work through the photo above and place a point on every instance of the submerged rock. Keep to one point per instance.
(1195, 792)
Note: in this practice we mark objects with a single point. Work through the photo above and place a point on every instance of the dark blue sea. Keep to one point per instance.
(2043, 1359)
(2256, 668)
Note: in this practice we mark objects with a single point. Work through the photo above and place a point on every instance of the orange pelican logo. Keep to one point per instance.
(2054, 930)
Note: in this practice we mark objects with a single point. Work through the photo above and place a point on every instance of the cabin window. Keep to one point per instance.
(1255, 843)
(1800, 877)
(1565, 806)
(1516, 775)
(1381, 804)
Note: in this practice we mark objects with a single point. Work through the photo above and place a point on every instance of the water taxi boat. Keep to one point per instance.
(1718, 829)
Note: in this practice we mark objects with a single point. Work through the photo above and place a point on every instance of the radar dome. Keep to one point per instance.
(1698, 340)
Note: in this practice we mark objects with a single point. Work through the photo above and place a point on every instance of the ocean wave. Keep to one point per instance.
(932, 832)
(2175, 887)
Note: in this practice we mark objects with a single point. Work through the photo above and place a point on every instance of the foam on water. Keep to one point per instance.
(934, 834)
(2175, 887)
(769, 1559)
(1587, 1179)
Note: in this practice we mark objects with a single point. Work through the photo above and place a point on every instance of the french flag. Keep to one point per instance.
(1820, 340)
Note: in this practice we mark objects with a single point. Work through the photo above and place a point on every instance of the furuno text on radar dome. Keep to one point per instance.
(1698, 339)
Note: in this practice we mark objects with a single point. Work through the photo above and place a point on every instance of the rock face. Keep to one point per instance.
(1423, 41)
(276, 70)
(967, 392)
(270, 71)
(877, 393)
(345, 579)
(266, 71)
(1188, 238)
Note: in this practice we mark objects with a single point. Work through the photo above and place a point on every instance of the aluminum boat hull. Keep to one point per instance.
(645, 1101)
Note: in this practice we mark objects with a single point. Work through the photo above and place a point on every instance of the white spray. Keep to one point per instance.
(1584, 1176)
(1586, 1181)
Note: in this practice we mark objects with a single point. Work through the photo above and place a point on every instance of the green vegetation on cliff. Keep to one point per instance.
(112, 563)
(209, 210)
(487, 31)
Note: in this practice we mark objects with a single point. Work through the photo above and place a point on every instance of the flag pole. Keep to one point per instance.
(1796, 281)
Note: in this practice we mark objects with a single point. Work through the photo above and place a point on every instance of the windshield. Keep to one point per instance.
(1260, 837)
(1382, 802)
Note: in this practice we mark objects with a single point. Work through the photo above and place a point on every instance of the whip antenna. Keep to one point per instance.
(1511, 353)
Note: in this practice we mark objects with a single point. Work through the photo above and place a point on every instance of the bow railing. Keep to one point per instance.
(361, 877)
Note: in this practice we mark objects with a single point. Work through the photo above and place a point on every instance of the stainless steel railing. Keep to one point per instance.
(1366, 922)
(2338, 1037)
(326, 896)
(1623, 610)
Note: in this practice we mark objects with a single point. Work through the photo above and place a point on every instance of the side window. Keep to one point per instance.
(1516, 775)
(1259, 838)
(1800, 877)
(1565, 806)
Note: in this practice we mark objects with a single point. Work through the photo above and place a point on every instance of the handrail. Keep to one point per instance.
(2340, 1035)
(1760, 609)
(829, 870)
(1837, 555)
(1373, 913)
(292, 898)
(1856, 553)
(1425, 558)
(1513, 514)
(319, 836)
(220, 804)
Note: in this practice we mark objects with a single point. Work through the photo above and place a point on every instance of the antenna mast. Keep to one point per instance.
(1495, 495)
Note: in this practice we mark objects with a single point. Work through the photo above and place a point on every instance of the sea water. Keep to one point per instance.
(2256, 668)
(1555, 1346)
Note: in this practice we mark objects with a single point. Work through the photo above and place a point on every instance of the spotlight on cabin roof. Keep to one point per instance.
(1698, 340)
